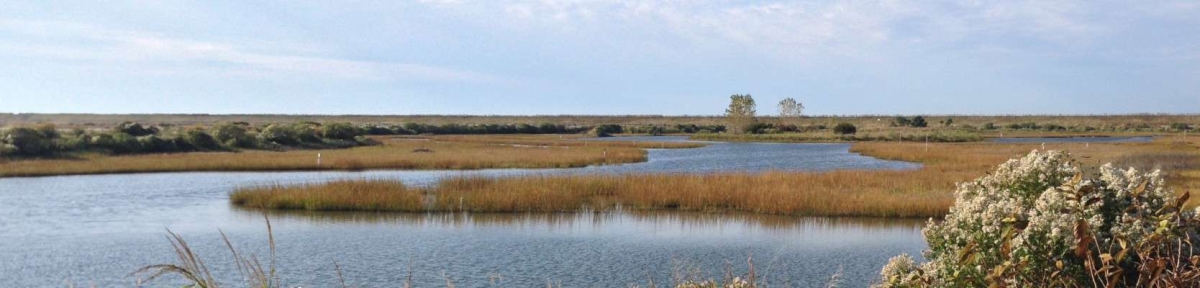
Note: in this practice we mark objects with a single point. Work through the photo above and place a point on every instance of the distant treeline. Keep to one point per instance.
(110, 120)
(545, 128)
(135, 138)
(36, 140)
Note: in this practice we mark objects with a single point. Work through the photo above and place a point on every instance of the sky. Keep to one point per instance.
(551, 57)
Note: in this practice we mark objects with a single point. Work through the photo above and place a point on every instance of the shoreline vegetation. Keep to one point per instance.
(70, 144)
(924, 192)
(460, 153)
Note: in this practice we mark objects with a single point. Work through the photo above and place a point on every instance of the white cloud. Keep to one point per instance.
(92, 46)
(855, 28)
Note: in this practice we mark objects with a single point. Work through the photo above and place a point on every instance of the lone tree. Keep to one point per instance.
(788, 107)
(741, 111)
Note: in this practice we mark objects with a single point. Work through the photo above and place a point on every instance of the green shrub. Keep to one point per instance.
(548, 128)
(278, 134)
(526, 129)
(378, 130)
(414, 128)
(304, 132)
(712, 129)
(687, 128)
(154, 144)
(74, 142)
(339, 131)
(656, 130)
(7, 149)
(1054, 127)
(918, 122)
(758, 128)
(606, 130)
(134, 129)
(200, 140)
(233, 135)
(845, 129)
(28, 142)
(788, 128)
(123, 143)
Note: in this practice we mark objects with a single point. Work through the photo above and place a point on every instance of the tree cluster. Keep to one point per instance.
(741, 112)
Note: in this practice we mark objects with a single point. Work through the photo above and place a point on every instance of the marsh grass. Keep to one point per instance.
(194, 271)
(921, 192)
(393, 154)
(768, 193)
(334, 196)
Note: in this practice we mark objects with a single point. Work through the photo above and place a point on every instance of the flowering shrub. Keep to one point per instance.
(1036, 222)
(735, 283)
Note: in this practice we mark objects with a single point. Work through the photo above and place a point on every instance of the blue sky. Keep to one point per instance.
(599, 57)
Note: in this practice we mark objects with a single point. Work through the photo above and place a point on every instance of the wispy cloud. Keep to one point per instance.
(855, 28)
(93, 46)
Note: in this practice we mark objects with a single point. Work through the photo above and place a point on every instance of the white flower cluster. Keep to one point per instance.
(737, 282)
(1028, 212)
(899, 268)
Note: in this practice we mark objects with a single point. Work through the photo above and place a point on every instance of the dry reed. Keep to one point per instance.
(922, 192)
(332, 196)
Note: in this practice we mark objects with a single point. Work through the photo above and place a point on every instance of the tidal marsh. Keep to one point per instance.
(923, 192)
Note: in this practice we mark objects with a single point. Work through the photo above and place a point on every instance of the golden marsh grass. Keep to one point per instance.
(333, 196)
(921, 192)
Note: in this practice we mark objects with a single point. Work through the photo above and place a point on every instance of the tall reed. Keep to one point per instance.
(194, 271)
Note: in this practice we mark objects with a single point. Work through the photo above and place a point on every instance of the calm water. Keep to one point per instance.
(88, 230)
(1073, 140)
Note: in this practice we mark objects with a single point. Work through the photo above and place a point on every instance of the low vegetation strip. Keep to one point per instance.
(350, 195)
(923, 192)
(392, 154)
(770, 193)
(561, 141)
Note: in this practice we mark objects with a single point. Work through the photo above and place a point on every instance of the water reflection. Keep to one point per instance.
(567, 220)
(610, 249)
